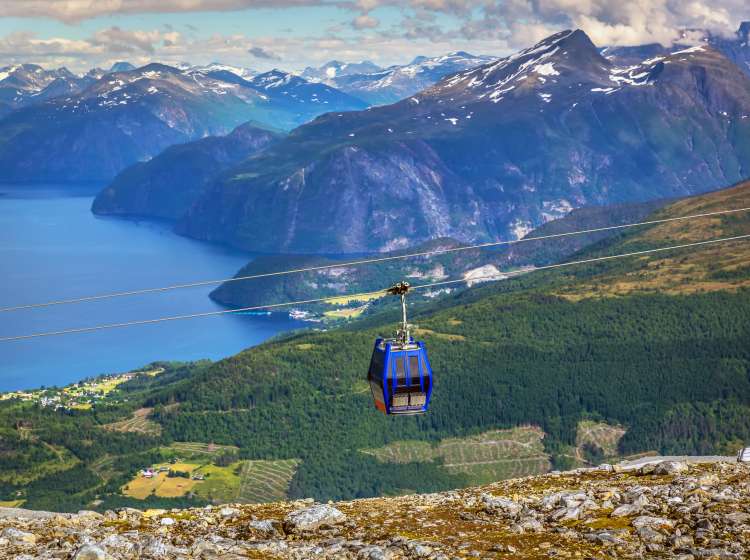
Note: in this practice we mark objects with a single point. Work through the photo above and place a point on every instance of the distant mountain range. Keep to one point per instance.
(490, 152)
(380, 86)
(23, 84)
(99, 126)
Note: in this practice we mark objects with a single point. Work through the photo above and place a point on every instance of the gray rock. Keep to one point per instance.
(229, 512)
(531, 525)
(266, 526)
(118, 543)
(649, 535)
(310, 519)
(681, 541)
(670, 468)
(626, 510)
(653, 522)
(17, 537)
(374, 552)
(494, 504)
(91, 552)
(737, 518)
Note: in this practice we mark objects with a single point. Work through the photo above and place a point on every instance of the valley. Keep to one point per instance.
(556, 376)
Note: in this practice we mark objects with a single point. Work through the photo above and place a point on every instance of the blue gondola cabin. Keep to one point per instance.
(400, 377)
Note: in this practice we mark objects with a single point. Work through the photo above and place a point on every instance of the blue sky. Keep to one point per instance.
(292, 34)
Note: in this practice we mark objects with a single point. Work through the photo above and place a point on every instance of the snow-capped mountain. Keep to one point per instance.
(335, 68)
(294, 90)
(244, 73)
(491, 152)
(397, 82)
(130, 116)
(736, 47)
(22, 84)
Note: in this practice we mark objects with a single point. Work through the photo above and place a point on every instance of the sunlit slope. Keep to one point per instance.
(510, 354)
(717, 267)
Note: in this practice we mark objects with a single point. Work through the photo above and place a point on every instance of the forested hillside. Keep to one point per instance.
(656, 344)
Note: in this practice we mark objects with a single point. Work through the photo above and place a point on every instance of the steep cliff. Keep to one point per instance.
(167, 185)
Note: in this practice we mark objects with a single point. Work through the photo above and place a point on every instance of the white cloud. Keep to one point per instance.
(428, 27)
(72, 11)
(365, 21)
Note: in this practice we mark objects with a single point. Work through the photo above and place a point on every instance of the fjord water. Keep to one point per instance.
(52, 247)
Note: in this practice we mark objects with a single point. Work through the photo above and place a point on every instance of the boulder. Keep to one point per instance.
(312, 518)
(267, 527)
(670, 468)
(737, 518)
(374, 552)
(17, 537)
(495, 504)
(91, 552)
(229, 512)
(653, 522)
(650, 535)
(626, 510)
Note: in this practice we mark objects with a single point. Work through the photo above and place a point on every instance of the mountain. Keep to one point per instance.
(308, 99)
(337, 281)
(335, 68)
(244, 73)
(167, 185)
(635, 508)
(397, 82)
(549, 370)
(24, 84)
(490, 153)
(127, 117)
(121, 66)
(735, 47)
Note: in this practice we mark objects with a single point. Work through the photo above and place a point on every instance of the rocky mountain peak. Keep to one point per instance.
(567, 56)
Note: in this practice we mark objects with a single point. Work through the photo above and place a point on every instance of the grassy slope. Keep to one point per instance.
(548, 349)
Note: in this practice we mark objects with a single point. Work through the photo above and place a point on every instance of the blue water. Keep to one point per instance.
(52, 247)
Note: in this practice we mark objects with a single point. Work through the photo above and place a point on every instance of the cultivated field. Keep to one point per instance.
(598, 434)
(266, 481)
(137, 423)
(495, 455)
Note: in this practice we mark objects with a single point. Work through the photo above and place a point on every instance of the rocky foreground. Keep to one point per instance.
(668, 509)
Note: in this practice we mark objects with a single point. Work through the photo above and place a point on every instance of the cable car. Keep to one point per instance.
(400, 375)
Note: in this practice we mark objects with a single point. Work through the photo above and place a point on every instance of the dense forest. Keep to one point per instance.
(668, 360)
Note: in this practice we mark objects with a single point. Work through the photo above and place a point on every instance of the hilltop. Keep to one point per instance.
(663, 508)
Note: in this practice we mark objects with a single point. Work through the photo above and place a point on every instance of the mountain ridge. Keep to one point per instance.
(127, 117)
(452, 161)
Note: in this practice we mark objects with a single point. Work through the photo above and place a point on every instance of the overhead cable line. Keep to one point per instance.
(497, 276)
(366, 261)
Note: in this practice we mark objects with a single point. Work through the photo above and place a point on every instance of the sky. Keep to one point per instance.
(293, 34)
